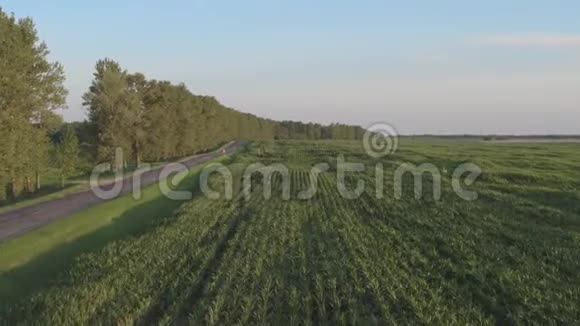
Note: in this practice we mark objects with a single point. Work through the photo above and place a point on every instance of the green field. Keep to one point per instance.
(510, 257)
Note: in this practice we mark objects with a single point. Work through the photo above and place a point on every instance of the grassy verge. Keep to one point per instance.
(29, 262)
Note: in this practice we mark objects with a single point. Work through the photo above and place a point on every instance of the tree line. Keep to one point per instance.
(150, 120)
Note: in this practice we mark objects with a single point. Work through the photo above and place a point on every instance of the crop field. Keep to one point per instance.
(511, 256)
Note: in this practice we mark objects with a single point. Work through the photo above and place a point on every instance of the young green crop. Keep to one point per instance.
(509, 257)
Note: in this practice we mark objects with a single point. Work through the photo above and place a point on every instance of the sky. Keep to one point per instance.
(438, 67)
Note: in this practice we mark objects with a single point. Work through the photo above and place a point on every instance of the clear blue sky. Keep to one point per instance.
(424, 66)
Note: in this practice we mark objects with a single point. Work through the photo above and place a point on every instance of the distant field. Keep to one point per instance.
(496, 138)
(510, 257)
(537, 140)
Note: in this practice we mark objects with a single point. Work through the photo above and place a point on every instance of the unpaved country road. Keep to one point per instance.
(19, 221)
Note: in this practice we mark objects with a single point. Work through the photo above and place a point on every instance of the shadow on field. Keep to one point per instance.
(45, 269)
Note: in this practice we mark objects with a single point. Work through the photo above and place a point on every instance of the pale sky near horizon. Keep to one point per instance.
(444, 67)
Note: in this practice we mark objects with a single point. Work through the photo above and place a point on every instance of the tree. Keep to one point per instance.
(31, 87)
(136, 84)
(109, 104)
(67, 154)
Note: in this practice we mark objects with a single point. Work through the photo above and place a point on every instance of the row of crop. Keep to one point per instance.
(289, 270)
(462, 247)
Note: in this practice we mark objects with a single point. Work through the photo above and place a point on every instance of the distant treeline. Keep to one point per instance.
(149, 120)
(497, 137)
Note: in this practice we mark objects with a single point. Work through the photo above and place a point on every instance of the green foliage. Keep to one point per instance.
(67, 154)
(109, 105)
(509, 257)
(31, 87)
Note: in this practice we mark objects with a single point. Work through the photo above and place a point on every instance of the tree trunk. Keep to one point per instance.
(62, 181)
(15, 187)
(37, 187)
(136, 154)
(4, 193)
(3, 189)
(27, 185)
(113, 164)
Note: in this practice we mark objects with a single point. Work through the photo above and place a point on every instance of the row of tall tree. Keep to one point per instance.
(154, 120)
(150, 120)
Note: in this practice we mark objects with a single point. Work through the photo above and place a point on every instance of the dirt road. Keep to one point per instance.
(19, 221)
